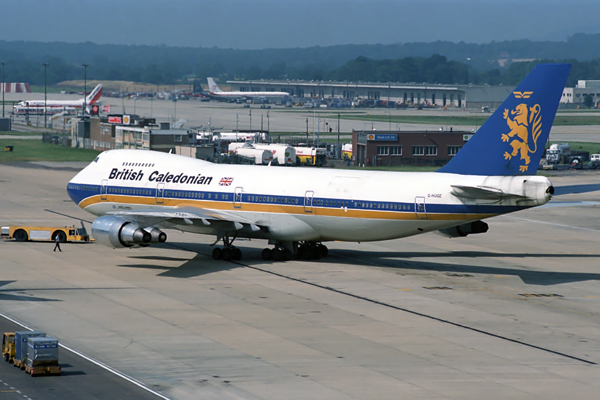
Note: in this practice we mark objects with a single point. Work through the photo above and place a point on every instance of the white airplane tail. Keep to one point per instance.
(94, 96)
(212, 86)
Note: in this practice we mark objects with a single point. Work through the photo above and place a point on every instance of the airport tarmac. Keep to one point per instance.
(80, 378)
(227, 116)
(513, 313)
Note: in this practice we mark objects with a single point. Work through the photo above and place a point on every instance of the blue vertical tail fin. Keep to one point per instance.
(511, 141)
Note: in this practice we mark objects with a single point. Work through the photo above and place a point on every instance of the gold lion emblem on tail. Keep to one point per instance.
(522, 122)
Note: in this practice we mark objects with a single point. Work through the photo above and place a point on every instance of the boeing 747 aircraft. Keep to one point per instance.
(214, 91)
(137, 194)
(33, 107)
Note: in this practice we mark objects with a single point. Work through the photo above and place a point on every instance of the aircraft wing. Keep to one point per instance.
(188, 215)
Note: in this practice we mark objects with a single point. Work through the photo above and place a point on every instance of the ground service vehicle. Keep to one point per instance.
(576, 162)
(558, 153)
(21, 338)
(311, 156)
(594, 161)
(347, 151)
(8, 346)
(42, 356)
(45, 233)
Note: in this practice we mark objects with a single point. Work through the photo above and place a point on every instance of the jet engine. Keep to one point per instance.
(118, 232)
(464, 229)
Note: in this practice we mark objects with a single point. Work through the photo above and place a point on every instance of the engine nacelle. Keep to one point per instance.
(157, 236)
(118, 232)
(464, 229)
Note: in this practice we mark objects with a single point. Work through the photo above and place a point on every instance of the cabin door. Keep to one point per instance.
(308, 201)
(420, 209)
(237, 197)
(160, 193)
(104, 190)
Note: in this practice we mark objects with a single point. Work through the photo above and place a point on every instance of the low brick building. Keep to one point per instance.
(384, 148)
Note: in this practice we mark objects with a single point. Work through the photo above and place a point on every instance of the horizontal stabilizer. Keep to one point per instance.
(483, 193)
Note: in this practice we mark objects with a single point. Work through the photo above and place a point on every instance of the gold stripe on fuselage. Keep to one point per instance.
(281, 208)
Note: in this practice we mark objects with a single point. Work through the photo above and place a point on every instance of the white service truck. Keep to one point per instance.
(557, 153)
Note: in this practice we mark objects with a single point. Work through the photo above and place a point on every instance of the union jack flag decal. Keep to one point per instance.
(225, 181)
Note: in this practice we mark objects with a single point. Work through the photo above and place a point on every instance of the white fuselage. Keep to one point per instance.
(57, 106)
(238, 94)
(294, 203)
(51, 107)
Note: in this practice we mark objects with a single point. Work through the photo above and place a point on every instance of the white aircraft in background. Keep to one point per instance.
(214, 91)
(33, 107)
(137, 193)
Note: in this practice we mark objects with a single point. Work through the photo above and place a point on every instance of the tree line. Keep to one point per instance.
(172, 65)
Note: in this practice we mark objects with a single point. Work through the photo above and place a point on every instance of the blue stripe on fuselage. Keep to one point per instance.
(80, 192)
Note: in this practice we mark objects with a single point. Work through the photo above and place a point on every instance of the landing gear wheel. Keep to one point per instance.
(313, 252)
(287, 255)
(217, 253)
(323, 250)
(227, 253)
(304, 252)
(237, 254)
(277, 254)
(267, 254)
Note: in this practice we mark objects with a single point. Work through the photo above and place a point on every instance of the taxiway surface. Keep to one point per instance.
(513, 313)
(219, 116)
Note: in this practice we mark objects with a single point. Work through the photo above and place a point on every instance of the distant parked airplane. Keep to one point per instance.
(36, 107)
(214, 91)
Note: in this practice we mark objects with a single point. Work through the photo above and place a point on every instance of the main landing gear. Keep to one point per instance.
(228, 252)
(283, 251)
(277, 253)
(299, 250)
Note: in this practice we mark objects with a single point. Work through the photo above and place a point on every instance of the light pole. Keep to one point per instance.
(84, 88)
(3, 88)
(174, 108)
(318, 130)
(338, 128)
(390, 119)
(307, 131)
(45, 93)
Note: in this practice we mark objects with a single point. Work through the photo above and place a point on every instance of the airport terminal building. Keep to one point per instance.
(456, 96)
(575, 96)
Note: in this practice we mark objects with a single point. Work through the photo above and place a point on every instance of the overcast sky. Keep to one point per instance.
(258, 24)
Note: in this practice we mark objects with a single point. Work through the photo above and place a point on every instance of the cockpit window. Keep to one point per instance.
(96, 159)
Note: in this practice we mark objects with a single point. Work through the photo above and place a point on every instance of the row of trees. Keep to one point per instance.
(433, 69)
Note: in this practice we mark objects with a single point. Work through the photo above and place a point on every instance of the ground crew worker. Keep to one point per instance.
(57, 241)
